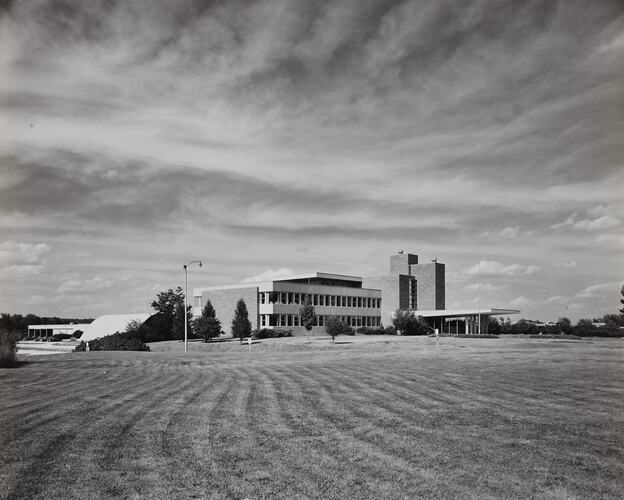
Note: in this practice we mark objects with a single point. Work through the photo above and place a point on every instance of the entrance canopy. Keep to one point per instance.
(470, 321)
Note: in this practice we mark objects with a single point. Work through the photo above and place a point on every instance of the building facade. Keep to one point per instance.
(370, 301)
(409, 286)
(276, 304)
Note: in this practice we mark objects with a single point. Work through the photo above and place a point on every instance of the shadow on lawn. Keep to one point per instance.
(14, 364)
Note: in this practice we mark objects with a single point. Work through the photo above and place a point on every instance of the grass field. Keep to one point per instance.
(364, 418)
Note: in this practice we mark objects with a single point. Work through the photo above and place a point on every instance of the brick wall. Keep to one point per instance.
(394, 293)
(429, 285)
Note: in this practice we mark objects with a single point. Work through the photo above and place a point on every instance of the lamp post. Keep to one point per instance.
(185, 301)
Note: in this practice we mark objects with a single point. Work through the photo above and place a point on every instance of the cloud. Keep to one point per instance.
(484, 287)
(522, 301)
(269, 275)
(183, 126)
(599, 290)
(610, 241)
(566, 223)
(567, 265)
(87, 286)
(507, 233)
(23, 258)
(602, 222)
(494, 268)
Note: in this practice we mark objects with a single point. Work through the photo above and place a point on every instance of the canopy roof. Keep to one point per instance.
(443, 313)
(111, 323)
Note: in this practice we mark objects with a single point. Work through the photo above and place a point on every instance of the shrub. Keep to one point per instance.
(335, 326)
(8, 349)
(116, 342)
(375, 330)
(389, 330)
(407, 323)
(269, 333)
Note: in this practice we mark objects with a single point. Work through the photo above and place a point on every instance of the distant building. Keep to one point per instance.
(99, 327)
(45, 331)
(369, 301)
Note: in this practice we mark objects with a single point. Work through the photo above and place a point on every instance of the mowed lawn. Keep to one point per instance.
(364, 418)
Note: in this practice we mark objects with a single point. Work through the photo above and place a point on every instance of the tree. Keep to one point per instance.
(133, 327)
(494, 326)
(335, 326)
(622, 300)
(565, 325)
(207, 326)
(308, 315)
(241, 326)
(400, 320)
(407, 323)
(171, 305)
(8, 347)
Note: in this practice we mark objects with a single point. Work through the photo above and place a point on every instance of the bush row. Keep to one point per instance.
(116, 342)
(268, 333)
(376, 330)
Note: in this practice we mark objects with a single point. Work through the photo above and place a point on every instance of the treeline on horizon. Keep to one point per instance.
(612, 327)
(18, 323)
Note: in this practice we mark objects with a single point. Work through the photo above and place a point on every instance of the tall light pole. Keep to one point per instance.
(185, 301)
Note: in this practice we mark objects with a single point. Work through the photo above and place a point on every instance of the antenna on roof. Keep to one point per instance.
(401, 252)
(434, 259)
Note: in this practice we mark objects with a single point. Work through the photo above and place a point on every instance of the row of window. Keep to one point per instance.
(294, 320)
(319, 299)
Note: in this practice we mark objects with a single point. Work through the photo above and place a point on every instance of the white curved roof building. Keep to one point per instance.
(111, 323)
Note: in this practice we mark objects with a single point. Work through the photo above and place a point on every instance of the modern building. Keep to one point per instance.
(99, 327)
(112, 323)
(276, 304)
(369, 301)
(45, 331)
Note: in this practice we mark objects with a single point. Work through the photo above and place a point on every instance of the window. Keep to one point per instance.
(295, 320)
(321, 300)
(290, 319)
(282, 298)
(333, 300)
(359, 301)
(413, 296)
(263, 319)
(262, 299)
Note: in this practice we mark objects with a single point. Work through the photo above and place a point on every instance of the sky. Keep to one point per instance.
(277, 137)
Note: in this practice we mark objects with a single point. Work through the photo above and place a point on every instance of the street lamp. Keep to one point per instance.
(185, 306)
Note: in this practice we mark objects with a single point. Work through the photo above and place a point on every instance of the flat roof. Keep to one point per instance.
(343, 277)
(465, 312)
(333, 276)
(58, 326)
